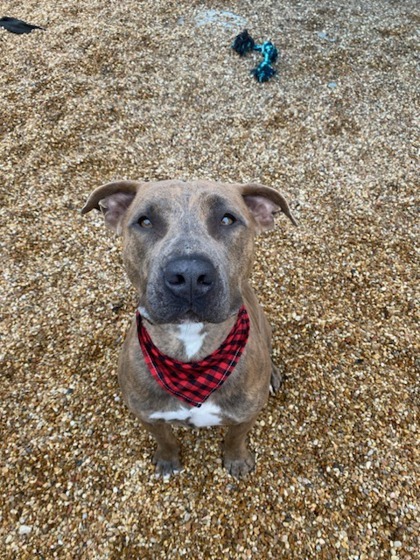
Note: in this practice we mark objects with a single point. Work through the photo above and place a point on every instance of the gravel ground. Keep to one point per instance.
(152, 90)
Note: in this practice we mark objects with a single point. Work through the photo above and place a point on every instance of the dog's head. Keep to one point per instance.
(188, 247)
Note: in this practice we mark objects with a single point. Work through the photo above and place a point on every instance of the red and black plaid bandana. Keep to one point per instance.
(194, 382)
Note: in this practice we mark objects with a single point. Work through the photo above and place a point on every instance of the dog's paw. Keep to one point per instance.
(276, 379)
(240, 467)
(166, 467)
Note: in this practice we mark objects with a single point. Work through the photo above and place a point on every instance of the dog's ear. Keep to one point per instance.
(264, 203)
(113, 200)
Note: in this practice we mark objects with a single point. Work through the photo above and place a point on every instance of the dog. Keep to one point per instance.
(198, 350)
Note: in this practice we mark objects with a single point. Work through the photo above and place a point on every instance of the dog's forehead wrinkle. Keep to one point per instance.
(186, 230)
(192, 238)
(182, 214)
(181, 200)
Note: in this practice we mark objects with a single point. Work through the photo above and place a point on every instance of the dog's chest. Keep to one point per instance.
(191, 336)
(208, 414)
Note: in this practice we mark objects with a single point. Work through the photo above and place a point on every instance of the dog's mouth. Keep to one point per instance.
(177, 317)
(190, 317)
(178, 314)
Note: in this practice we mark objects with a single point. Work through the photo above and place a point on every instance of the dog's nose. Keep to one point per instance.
(189, 278)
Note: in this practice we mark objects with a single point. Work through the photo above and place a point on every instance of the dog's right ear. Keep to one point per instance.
(113, 200)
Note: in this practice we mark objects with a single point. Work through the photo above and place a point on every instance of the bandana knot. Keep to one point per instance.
(194, 382)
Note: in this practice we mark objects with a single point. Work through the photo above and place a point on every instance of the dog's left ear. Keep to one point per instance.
(113, 200)
(264, 203)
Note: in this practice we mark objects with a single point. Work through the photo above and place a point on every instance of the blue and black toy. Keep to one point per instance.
(244, 43)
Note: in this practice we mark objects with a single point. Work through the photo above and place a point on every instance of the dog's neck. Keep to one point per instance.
(187, 341)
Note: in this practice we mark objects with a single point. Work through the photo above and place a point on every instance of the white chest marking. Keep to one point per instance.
(189, 335)
(208, 414)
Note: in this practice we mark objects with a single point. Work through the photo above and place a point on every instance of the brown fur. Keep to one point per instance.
(186, 220)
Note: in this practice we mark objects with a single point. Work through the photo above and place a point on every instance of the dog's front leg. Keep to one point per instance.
(166, 457)
(237, 458)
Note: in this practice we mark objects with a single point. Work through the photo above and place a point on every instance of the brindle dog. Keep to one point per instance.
(188, 249)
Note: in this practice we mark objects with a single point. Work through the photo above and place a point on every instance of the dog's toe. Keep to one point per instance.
(240, 467)
(166, 465)
(166, 469)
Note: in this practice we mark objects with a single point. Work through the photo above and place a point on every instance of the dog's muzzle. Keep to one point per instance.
(189, 288)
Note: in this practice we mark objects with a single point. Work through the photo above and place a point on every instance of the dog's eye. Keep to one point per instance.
(228, 220)
(144, 222)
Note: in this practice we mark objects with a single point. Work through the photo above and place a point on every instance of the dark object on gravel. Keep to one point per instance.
(244, 43)
(17, 25)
